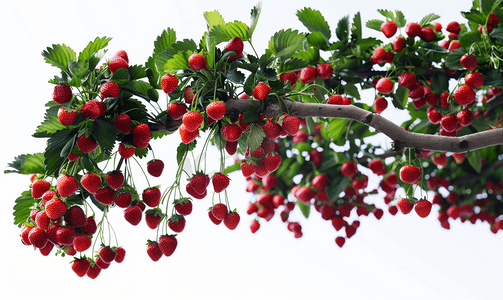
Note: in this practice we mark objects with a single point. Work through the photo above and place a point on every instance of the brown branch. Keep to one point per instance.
(401, 137)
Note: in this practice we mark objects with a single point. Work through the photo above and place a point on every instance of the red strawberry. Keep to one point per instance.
(153, 251)
(349, 169)
(412, 29)
(67, 117)
(39, 187)
(231, 147)
(121, 254)
(190, 190)
(308, 74)
(231, 132)
(123, 200)
(465, 117)
(453, 27)
(269, 181)
(324, 70)
(320, 181)
(440, 159)
(474, 80)
(176, 110)
(81, 242)
(377, 167)
(272, 161)
(66, 185)
(199, 182)
(151, 196)
(115, 179)
(38, 237)
(231, 220)
(101, 264)
(55, 208)
(186, 135)
(133, 215)
(379, 55)
(109, 89)
(197, 61)
(155, 167)
(216, 110)
(389, 28)
(423, 208)
(335, 99)
(169, 83)
(468, 62)
(235, 45)
(213, 219)
(431, 99)
(65, 235)
(260, 91)
(399, 44)
(91, 182)
(219, 211)
(192, 120)
(404, 206)
(116, 63)
(176, 223)
(350, 231)
(106, 254)
(126, 151)
(220, 182)
(105, 195)
(384, 86)
(407, 80)
(93, 272)
(254, 226)
(81, 266)
(183, 206)
(410, 174)
(433, 115)
(91, 109)
(141, 135)
(188, 95)
(291, 125)
(449, 122)
(340, 240)
(380, 104)
(459, 157)
(272, 130)
(167, 244)
(62, 93)
(86, 144)
(290, 77)
(122, 54)
(122, 123)
(75, 216)
(454, 45)
(427, 34)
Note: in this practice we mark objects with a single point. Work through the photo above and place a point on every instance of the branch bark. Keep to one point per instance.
(401, 137)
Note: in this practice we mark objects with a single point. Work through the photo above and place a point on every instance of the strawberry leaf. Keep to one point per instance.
(235, 167)
(475, 160)
(374, 24)
(179, 61)
(428, 19)
(93, 47)
(228, 31)
(55, 145)
(22, 208)
(387, 14)
(235, 76)
(400, 19)
(356, 27)
(51, 124)
(304, 208)
(121, 76)
(104, 133)
(334, 130)
(254, 15)
(336, 186)
(292, 64)
(342, 30)
(285, 43)
(27, 164)
(164, 41)
(497, 34)
(310, 55)
(213, 18)
(256, 137)
(59, 56)
(452, 60)
(314, 21)
(467, 39)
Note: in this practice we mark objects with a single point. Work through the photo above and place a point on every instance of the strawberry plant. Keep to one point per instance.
(280, 114)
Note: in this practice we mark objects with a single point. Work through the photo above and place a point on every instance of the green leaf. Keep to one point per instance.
(141, 89)
(304, 208)
(51, 123)
(292, 64)
(310, 55)
(27, 164)
(59, 56)
(474, 16)
(120, 76)
(387, 14)
(104, 133)
(22, 208)
(164, 40)
(400, 97)
(468, 38)
(137, 72)
(374, 24)
(235, 167)
(356, 27)
(400, 19)
(180, 152)
(492, 78)
(342, 30)
(254, 15)
(352, 90)
(256, 137)
(314, 21)
(452, 60)
(179, 61)
(333, 130)
(428, 19)
(55, 145)
(439, 83)
(486, 6)
(235, 76)
(93, 47)
(78, 68)
(251, 115)
(475, 160)
(317, 39)
(285, 43)
(213, 18)
(336, 186)
(228, 31)
(497, 34)
(433, 47)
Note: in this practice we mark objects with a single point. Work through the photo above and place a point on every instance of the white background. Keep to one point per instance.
(398, 257)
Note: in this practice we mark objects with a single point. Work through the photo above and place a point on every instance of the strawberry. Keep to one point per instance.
(427, 34)
(350, 231)
(67, 117)
(75, 216)
(404, 206)
(105, 195)
(153, 251)
(324, 70)
(231, 220)
(410, 174)
(186, 135)
(122, 123)
(81, 266)
(167, 244)
(169, 83)
(349, 169)
(231, 147)
(219, 211)
(39, 187)
(423, 208)
(86, 144)
(340, 240)
(459, 157)
(433, 115)
(272, 161)
(220, 182)
(151, 196)
(453, 27)
(320, 181)
(379, 55)
(444, 99)
(254, 226)
(231, 132)
(55, 208)
(46, 250)
(291, 125)
(389, 28)
(188, 95)
(398, 44)
(122, 54)
(384, 86)
(290, 77)
(101, 264)
(91, 182)
(199, 182)
(216, 110)
(247, 168)
(176, 110)
(106, 254)
(109, 89)
(183, 206)
(93, 272)
(91, 109)
(377, 167)
(121, 254)
(62, 93)
(176, 223)
(468, 62)
(72, 157)
(38, 237)
(115, 179)
(197, 61)
(126, 151)
(407, 80)
(155, 167)
(269, 181)
(416, 93)
(123, 200)
(335, 99)
(81, 242)
(449, 122)
(272, 130)
(380, 104)
(235, 45)
(474, 80)
(141, 135)
(493, 19)
(431, 99)
(440, 159)
(65, 235)
(465, 117)
(412, 29)
(66, 185)
(192, 120)
(117, 62)
(133, 215)
(213, 219)
(260, 91)
(308, 74)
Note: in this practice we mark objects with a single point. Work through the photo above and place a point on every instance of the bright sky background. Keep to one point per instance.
(400, 257)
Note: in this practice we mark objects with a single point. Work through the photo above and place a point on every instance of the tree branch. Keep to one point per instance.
(401, 137)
